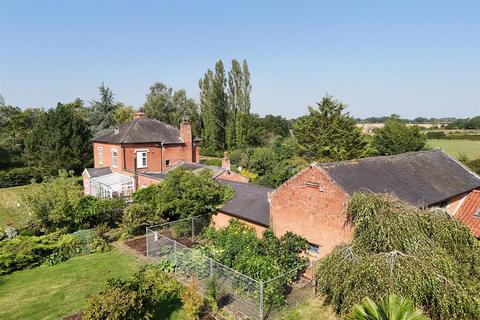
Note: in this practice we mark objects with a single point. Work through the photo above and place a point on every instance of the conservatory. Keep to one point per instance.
(113, 185)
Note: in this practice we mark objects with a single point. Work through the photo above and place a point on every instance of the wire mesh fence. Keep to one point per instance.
(250, 298)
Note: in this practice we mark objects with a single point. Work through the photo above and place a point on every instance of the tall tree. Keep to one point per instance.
(396, 137)
(59, 139)
(123, 113)
(329, 134)
(167, 105)
(102, 115)
(237, 126)
(214, 107)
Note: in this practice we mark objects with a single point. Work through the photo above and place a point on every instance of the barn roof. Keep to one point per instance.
(142, 131)
(421, 178)
(250, 202)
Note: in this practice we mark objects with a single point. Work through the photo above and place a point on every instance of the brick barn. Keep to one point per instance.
(313, 203)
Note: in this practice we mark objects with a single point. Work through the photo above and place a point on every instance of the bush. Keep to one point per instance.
(436, 135)
(192, 303)
(424, 255)
(140, 297)
(25, 252)
(18, 176)
(59, 204)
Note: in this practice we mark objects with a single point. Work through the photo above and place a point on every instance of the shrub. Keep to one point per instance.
(424, 255)
(30, 251)
(136, 298)
(18, 176)
(392, 309)
(436, 135)
(192, 302)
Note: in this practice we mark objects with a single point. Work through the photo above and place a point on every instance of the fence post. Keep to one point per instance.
(146, 240)
(193, 229)
(261, 300)
(175, 258)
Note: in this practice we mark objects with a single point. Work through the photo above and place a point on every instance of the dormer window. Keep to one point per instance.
(114, 158)
(100, 155)
(142, 159)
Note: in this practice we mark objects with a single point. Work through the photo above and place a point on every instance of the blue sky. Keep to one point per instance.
(413, 58)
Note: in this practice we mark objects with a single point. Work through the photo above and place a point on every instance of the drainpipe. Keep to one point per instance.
(124, 158)
(161, 158)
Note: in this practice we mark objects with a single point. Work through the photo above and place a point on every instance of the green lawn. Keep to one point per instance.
(10, 212)
(52, 292)
(312, 309)
(455, 147)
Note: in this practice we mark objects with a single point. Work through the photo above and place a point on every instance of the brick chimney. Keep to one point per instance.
(139, 115)
(186, 135)
(226, 161)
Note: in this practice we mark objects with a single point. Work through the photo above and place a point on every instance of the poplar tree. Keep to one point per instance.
(213, 105)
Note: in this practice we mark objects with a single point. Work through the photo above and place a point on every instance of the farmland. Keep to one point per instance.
(456, 147)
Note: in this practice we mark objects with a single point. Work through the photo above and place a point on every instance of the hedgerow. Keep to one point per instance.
(424, 255)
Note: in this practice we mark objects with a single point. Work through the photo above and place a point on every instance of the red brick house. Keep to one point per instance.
(141, 152)
(313, 202)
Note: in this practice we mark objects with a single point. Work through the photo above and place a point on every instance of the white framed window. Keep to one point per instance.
(114, 158)
(142, 161)
(100, 155)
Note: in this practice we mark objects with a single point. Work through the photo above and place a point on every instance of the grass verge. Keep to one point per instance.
(455, 147)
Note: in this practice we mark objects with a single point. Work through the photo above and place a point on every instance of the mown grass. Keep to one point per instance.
(456, 147)
(312, 309)
(10, 211)
(52, 292)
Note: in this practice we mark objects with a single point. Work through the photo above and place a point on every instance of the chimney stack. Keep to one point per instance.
(226, 161)
(186, 135)
(139, 115)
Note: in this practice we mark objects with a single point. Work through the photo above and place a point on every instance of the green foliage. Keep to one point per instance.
(59, 139)
(170, 106)
(396, 137)
(395, 308)
(182, 194)
(18, 176)
(59, 204)
(192, 302)
(436, 135)
(123, 114)
(424, 255)
(472, 123)
(329, 134)
(30, 251)
(102, 112)
(213, 162)
(140, 297)
(238, 247)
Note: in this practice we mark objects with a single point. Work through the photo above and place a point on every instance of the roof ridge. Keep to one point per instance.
(132, 124)
(400, 155)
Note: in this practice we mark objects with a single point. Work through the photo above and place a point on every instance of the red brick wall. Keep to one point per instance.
(107, 156)
(314, 212)
(186, 135)
(154, 156)
(175, 153)
(232, 176)
(221, 220)
(455, 203)
(145, 181)
(86, 183)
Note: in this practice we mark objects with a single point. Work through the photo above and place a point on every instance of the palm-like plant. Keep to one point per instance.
(395, 308)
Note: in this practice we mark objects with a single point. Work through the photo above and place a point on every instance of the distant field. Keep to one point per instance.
(10, 212)
(456, 147)
(52, 292)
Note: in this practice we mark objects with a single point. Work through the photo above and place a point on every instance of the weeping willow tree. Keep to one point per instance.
(424, 255)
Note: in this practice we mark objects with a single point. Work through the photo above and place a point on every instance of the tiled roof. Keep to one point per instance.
(469, 212)
(422, 178)
(250, 202)
(142, 131)
(97, 172)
